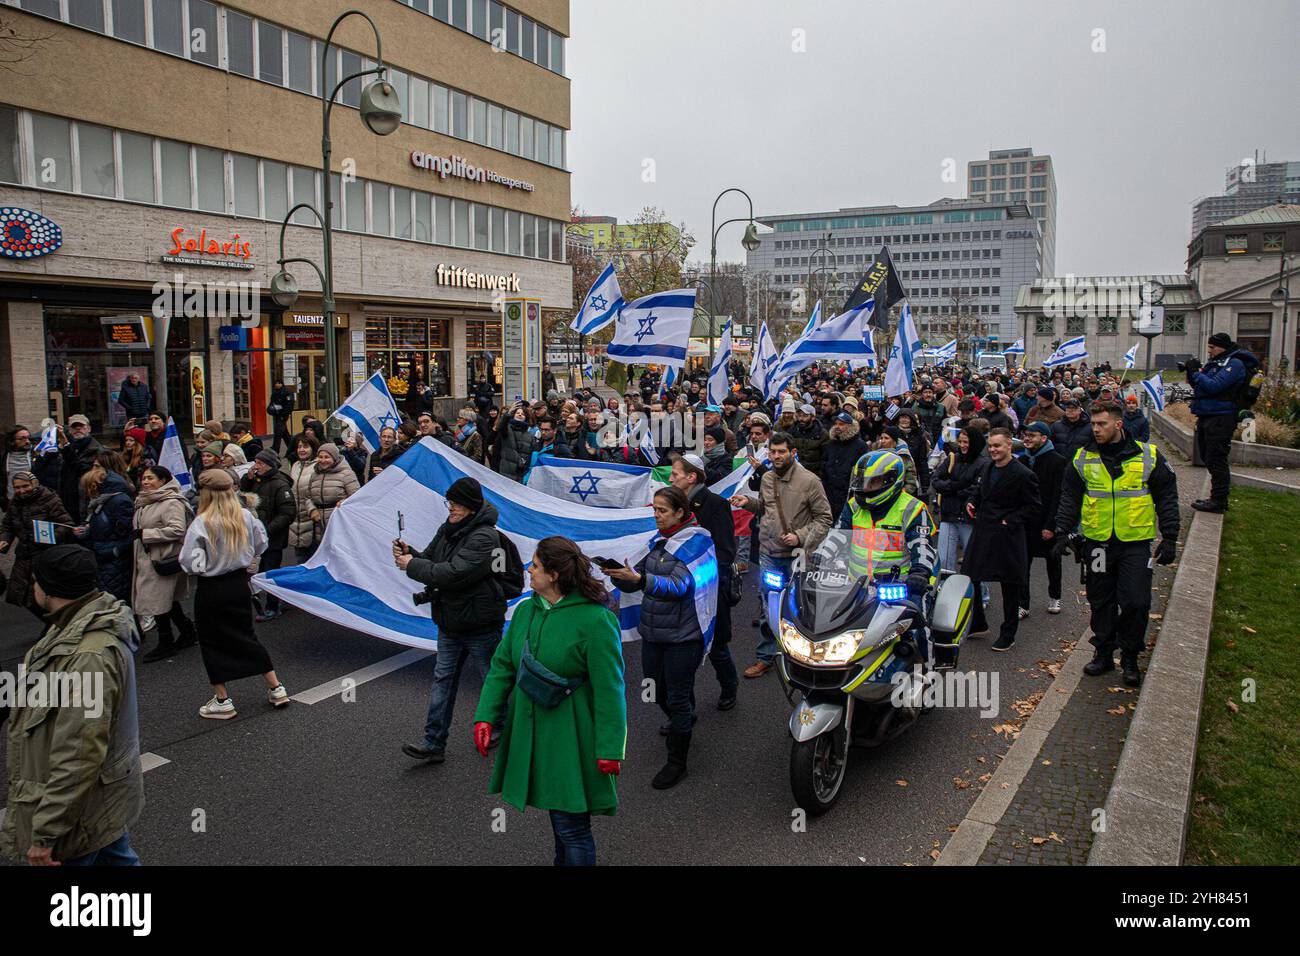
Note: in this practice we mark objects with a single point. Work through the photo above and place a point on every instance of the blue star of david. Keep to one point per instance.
(582, 493)
(599, 303)
(645, 327)
(388, 420)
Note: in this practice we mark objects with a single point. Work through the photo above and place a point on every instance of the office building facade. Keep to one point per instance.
(1247, 187)
(1018, 175)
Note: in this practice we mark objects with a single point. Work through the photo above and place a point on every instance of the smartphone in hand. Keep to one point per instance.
(607, 564)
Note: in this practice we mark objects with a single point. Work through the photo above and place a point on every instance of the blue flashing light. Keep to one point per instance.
(773, 580)
(891, 593)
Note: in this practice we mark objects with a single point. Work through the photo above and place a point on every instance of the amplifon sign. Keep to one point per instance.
(232, 253)
(446, 166)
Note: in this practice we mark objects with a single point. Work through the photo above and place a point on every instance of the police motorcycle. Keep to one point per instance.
(858, 653)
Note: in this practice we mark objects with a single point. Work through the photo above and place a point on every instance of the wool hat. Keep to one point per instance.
(466, 492)
(234, 453)
(787, 406)
(1040, 427)
(216, 479)
(807, 410)
(331, 449)
(850, 402)
(1223, 340)
(214, 448)
(717, 433)
(1047, 393)
(66, 571)
(758, 418)
(139, 434)
(268, 457)
(215, 427)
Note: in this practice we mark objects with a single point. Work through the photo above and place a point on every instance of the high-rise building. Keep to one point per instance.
(1018, 175)
(1248, 186)
(168, 139)
(955, 257)
(621, 242)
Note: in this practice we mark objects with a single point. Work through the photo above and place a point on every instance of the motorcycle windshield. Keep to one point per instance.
(828, 595)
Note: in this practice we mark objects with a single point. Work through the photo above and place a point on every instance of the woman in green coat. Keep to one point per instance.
(565, 713)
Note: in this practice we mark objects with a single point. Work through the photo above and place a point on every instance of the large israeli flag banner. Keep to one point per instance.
(351, 579)
(694, 546)
(836, 339)
(173, 456)
(902, 357)
(719, 384)
(655, 329)
(601, 305)
(1074, 350)
(370, 409)
(596, 484)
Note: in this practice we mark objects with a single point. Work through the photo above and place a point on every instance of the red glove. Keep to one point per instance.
(609, 766)
(482, 737)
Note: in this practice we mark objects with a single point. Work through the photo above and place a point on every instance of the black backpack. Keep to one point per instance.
(1249, 389)
(511, 578)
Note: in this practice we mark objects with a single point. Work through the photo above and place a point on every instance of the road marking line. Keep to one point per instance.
(379, 669)
(151, 761)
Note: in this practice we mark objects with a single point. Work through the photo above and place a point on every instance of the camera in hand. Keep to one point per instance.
(427, 596)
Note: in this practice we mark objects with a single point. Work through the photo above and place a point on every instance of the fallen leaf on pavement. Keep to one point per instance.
(1117, 711)
(901, 783)
(959, 783)
(985, 777)
(934, 854)
(1047, 763)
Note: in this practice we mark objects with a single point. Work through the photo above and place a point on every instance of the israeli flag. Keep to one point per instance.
(1155, 389)
(1131, 357)
(173, 456)
(836, 339)
(1016, 348)
(946, 352)
(594, 484)
(49, 442)
(814, 320)
(693, 546)
(44, 532)
(898, 373)
(370, 409)
(719, 383)
(666, 381)
(1075, 350)
(648, 448)
(869, 344)
(601, 305)
(763, 360)
(351, 579)
(654, 329)
(736, 482)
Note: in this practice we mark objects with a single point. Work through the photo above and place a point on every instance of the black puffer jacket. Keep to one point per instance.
(276, 508)
(956, 477)
(457, 565)
(841, 454)
(810, 442)
(1069, 438)
(668, 602)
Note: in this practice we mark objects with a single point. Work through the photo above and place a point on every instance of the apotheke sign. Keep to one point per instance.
(446, 166)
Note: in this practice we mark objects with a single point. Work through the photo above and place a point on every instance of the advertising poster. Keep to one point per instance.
(115, 377)
(198, 394)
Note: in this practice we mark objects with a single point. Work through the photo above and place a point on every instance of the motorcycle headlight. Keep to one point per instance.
(838, 650)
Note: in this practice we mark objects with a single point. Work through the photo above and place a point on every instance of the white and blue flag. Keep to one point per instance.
(898, 373)
(1074, 350)
(173, 456)
(1131, 357)
(814, 320)
(589, 371)
(692, 545)
(666, 381)
(601, 305)
(763, 360)
(44, 532)
(49, 442)
(840, 338)
(370, 409)
(351, 579)
(946, 352)
(1155, 389)
(595, 484)
(655, 329)
(648, 448)
(1016, 348)
(719, 382)
(869, 344)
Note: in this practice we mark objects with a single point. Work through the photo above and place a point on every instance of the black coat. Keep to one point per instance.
(1049, 469)
(955, 480)
(136, 400)
(713, 514)
(1003, 509)
(275, 505)
(78, 457)
(1068, 438)
(838, 459)
(280, 407)
(457, 565)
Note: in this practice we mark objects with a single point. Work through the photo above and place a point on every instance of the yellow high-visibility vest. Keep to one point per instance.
(1120, 506)
(879, 546)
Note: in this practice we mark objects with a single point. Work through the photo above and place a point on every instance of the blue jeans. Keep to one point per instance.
(453, 650)
(767, 647)
(952, 534)
(574, 844)
(117, 853)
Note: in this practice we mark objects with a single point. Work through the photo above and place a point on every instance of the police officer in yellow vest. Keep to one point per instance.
(1118, 492)
(891, 529)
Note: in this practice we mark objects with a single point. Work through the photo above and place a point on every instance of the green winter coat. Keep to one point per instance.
(547, 758)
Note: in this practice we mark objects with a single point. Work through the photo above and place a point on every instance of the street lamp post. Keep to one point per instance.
(381, 111)
(1281, 298)
(822, 250)
(750, 241)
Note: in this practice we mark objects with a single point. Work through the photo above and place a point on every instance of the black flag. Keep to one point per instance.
(882, 272)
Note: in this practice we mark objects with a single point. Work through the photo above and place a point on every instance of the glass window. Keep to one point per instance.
(497, 27)
(351, 93)
(460, 14)
(557, 53)
(512, 31)
(86, 13)
(95, 159)
(203, 32)
(479, 126)
(423, 217)
(244, 173)
(168, 27)
(275, 191)
(526, 137)
(527, 35)
(439, 8)
(304, 190)
(498, 229)
(418, 107)
(442, 220)
(401, 212)
(528, 227)
(460, 222)
(543, 47)
(441, 121)
(480, 19)
(557, 147)
(513, 246)
(210, 178)
(53, 152)
(270, 53)
(542, 150)
(512, 132)
(557, 241)
(49, 8)
(459, 116)
(128, 20)
(480, 225)
(300, 73)
(380, 222)
(137, 166)
(1017, 182)
(354, 205)
(496, 132)
(175, 173)
(401, 87)
(239, 43)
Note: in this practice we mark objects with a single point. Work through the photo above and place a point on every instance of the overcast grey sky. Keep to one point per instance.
(712, 92)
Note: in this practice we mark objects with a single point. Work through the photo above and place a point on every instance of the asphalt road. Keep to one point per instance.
(327, 783)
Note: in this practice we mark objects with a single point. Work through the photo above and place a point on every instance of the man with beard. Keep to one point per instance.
(840, 455)
(809, 439)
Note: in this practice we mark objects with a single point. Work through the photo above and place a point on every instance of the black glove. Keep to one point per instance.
(1166, 551)
(137, 534)
(917, 582)
(1060, 545)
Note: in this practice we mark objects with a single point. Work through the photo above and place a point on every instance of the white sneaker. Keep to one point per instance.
(1024, 613)
(147, 622)
(278, 696)
(218, 709)
(1054, 606)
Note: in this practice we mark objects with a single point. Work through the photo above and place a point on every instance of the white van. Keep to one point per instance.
(990, 360)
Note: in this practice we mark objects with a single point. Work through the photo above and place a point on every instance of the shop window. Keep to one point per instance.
(86, 13)
(409, 332)
(95, 160)
(137, 166)
(202, 41)
(53, 152)
(128, 20)
(1255, 332)
(270, 53)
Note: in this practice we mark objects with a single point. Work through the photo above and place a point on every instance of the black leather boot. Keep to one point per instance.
(673, 771)
(1103, 661)
(1132, 676)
